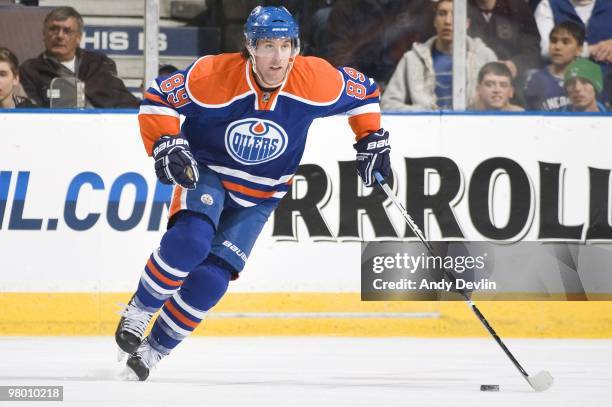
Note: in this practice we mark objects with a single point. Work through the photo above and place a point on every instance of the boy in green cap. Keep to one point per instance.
(583, 82)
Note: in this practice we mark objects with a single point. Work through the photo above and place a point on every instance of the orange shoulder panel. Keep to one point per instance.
(217, 79)
(314, 79)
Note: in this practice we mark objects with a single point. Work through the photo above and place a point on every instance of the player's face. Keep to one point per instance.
(563, 48)
(581, 94)
(495, 91)
(8, 81)
(443, 21)
(62, 38)
(272, 60)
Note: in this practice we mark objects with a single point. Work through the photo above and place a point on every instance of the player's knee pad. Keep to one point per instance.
(187, 243)
(205, 286)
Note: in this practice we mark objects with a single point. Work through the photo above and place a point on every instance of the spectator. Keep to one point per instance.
(594, 15)
(9, 81)
(509, 29)
(495, 89)
(314, 28)
(63, 28)
(423, 78)
(544, 89)
(583, 81)
(166, 70)
(369, 35)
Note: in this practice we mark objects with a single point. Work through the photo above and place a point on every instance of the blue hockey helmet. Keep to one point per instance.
(269, 23)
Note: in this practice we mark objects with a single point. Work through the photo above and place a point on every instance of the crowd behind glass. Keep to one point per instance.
(538, 55)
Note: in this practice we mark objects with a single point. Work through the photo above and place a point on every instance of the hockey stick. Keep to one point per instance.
(541, 381)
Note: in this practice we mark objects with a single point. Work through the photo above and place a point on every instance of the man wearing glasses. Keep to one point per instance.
(91, 73)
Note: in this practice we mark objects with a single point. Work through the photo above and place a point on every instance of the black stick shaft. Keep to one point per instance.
(430, 249)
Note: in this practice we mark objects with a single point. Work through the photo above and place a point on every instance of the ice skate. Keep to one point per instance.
(141, 362)
(131, 328)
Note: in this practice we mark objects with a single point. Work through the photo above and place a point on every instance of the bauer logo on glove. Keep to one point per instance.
(378, 144)
(373, 155)
(167, 142)
(174, 163)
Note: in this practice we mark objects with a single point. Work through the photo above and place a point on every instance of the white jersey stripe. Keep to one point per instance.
(155, 86)
(156, 286)
(241, 202)
(251, 178)
(160, 110)
(369, 108)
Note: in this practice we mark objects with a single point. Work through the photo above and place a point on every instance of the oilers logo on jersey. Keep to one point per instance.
(255, 141)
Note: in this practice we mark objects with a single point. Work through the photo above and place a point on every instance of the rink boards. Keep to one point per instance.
(80, 211)
(330, 314)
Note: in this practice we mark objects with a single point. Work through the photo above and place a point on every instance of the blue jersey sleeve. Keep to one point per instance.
(169, 91)
(359, 100)
(163, 103)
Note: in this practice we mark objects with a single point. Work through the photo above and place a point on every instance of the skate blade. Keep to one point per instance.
(128, 375)
(121, 355)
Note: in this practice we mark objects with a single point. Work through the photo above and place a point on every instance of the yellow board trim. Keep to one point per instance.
(35, 314)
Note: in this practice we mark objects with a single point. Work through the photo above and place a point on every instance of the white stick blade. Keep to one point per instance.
(542, 381)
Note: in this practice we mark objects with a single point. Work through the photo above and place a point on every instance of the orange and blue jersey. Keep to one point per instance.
(251, 139)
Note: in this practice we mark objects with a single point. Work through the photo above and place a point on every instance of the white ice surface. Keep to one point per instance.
(318, 371)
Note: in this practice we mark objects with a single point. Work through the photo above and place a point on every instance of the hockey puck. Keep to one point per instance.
(489, 387)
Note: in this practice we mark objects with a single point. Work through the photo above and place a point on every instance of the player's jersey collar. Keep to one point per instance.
(263, 100)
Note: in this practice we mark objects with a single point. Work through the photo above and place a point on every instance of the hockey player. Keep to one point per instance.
(246, 120)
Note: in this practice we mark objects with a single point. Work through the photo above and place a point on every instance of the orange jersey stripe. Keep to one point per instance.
(178, 315)
(155, 98)
(175, 204)
(374, 94)
(160, 276)
(153, 126)
(261, 105)
(247, 191)
(364, 124)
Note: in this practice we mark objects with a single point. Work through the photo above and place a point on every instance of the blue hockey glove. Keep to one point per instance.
(373, 155)
(174, 163)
